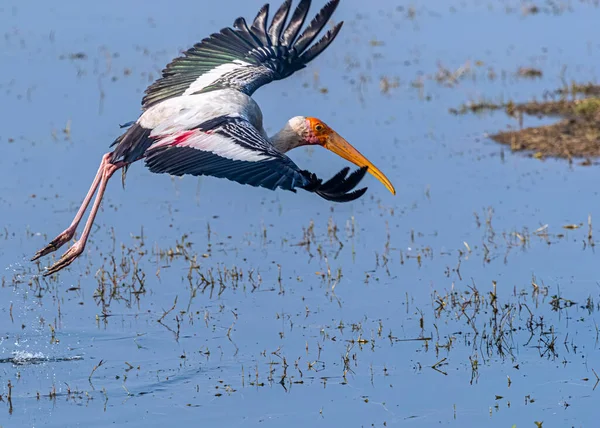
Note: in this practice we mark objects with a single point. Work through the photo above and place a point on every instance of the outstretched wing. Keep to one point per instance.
(245, 58)
(230, 147)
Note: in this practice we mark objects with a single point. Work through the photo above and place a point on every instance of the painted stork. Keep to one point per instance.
(199, 118)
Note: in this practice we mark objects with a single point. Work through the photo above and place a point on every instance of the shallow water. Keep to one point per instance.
(202, 301)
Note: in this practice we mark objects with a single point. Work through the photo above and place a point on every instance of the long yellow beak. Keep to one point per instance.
(342, 148)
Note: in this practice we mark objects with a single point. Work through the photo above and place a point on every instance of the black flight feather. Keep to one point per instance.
(272, 52)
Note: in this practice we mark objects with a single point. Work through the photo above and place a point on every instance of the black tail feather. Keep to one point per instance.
(132, 144)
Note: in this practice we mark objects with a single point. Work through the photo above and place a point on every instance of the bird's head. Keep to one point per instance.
(312, 131)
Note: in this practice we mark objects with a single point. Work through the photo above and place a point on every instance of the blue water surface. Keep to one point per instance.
(461, 301)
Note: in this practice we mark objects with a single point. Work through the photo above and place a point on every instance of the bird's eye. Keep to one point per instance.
(319, 127)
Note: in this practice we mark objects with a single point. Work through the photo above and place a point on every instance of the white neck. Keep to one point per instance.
(290, 136)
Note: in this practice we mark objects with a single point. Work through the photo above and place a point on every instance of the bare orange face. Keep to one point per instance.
(319, 130)
(323, 135)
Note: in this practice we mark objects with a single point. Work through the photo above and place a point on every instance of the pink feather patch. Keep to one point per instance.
(181, 138)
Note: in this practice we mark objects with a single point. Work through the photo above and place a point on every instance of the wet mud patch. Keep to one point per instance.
(575, 135)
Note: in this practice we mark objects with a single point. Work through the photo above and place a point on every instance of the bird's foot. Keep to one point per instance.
(55, 244)
(66, 259)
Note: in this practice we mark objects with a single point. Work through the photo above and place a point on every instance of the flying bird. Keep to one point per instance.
(199, 118)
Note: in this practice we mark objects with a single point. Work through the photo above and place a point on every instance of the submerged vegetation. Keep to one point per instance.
(471, 299)
(466, 324)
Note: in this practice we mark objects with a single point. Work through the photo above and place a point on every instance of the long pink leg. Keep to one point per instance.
(66, 235)
(77, 248)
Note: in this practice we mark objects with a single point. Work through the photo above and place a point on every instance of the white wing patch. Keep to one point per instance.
(216, 144)
(215, 74)
(186, 112)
